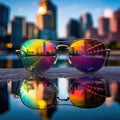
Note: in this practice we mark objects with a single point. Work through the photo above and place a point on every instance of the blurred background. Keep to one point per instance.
(60, 22)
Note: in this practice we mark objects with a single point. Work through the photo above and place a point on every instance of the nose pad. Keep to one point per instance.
(69, 60)
(107, 57)
(56, 60)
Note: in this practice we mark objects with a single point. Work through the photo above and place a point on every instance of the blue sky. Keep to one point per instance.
(66, 9)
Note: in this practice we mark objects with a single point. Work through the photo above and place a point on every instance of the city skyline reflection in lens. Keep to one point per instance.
(38, 93)
(87, 55)
(38, 55)
(88, 92)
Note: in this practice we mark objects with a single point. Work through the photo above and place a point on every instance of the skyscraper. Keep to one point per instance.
(103, 26)
(46, 20)
(4, 18)
(115, 22)
(30, 30)
(36, 32)
(72, 29)
(18, 31)
(92, 33)
(115, 27)
(86, 23)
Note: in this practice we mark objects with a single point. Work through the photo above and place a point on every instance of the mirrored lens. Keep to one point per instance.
(38, 55)
(87, 55)
(38, 93)
(88, 92)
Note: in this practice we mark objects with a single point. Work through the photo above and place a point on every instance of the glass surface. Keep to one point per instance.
(88, 92)
(38, 93)
(87, 55)
(37, 54)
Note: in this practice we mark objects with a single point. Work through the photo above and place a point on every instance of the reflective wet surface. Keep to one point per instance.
(87, 97)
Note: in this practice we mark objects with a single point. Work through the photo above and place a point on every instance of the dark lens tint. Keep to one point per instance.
(88, 92)
(87, 55)
(38, 55)
(38, 93)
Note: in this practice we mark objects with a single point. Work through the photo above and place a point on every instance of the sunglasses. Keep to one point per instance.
(85, 92)
(87, 55)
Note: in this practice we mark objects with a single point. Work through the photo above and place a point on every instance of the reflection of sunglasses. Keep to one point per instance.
(85, 92)
(87, 55)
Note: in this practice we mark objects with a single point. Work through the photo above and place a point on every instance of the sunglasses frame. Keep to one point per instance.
(67, 47)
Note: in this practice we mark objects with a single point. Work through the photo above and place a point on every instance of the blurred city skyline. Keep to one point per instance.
(66, 10)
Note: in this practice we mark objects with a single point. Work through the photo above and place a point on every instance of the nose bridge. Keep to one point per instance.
(62, 49)
(62, 45)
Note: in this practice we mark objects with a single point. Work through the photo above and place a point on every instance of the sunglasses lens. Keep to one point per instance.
(87, 55)
(38, 94)
(38, 55)
(87, 92)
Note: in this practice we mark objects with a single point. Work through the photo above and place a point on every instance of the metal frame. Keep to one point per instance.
(67, 47)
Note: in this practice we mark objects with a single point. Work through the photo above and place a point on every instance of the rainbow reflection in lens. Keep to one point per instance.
(88, 92)
(38, 55)
(87, 55)
(38, 93)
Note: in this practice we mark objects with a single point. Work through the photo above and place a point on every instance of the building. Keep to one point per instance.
(18, 35)
(91, 33)
(103, 26)
(30, 27)
(115, 22)
(4, 19)
(46, 20)
(115, 26)
(36, 32)
(86, 23)
(72, 29)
